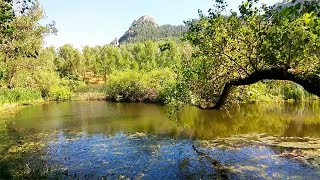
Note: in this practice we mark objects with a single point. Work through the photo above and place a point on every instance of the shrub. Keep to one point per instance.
(41, 79)
(19, 95)
(293, 92)
(73, 83)
(154, 86)
(125, 86)
(59, 93)
(164, 82)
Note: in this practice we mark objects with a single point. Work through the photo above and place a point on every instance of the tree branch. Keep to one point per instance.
(310, 83)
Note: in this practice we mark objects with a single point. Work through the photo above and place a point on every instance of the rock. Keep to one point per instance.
(115, 42)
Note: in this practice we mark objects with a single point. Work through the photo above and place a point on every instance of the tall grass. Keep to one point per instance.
(19, 95)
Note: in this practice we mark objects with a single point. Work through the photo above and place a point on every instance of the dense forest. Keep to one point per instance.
(215, 54)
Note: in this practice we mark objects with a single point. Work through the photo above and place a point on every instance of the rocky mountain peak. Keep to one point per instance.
(146, 20)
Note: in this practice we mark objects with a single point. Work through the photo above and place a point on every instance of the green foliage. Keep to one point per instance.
(19, 95)
(22, 39)
(152, 65)
(59, 93)
(139, 86)
(233, 47)
(125, 86)
(6, 16)
(72, 84)
(163, 82)
(92, 89)
(69, 61)
(146, 56)
(293, 92)
(258, 92)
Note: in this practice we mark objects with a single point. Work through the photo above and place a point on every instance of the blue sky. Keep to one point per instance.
(98, 22)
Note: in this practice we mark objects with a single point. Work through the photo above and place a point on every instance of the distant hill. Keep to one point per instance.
(287, 3)
(146, 28)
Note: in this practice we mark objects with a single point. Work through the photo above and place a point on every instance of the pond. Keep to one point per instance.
(101, 140)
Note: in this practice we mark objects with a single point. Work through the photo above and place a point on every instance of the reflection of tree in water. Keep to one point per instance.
(184, 122)
(173, 113)
(21, 153)
(141, 155)
(260, 118)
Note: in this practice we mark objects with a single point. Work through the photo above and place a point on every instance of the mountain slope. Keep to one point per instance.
(146, 28)
(287, 3)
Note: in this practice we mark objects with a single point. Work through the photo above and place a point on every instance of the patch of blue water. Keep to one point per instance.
(150, 157)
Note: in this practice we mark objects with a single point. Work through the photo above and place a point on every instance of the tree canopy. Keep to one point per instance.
(254, 44)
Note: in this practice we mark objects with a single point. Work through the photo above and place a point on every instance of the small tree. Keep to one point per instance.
(69, 61)
(21, 36)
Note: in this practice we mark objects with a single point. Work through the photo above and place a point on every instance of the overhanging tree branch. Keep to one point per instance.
(310, 83)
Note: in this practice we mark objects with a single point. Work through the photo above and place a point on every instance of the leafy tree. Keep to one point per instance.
(21, 37)
(69, 61)
(128, 57)
(170, 54)
(276, 43)
(6, 16)
(110, 59)
(90, 55)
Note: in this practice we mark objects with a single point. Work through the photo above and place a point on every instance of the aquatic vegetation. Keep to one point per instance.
(145, 156)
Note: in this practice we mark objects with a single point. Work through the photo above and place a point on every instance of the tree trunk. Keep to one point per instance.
(310, 83)
(10, 79)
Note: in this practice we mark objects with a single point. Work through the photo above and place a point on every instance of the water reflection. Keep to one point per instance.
(140, 156)
(109, 118)
(147, 141)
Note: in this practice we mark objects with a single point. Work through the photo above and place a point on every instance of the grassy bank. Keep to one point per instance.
(157, 86)
(10, 98)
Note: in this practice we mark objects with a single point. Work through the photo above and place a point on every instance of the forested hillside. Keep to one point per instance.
(146, 28)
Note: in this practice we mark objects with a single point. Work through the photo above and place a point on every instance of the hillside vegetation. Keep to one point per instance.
(146, 28)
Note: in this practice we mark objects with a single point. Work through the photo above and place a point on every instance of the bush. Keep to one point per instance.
(45, 80)
(73, 83)
(130, 86)
(59, 93)
(164, 82)
(293, 92)
(41, 79)
(19, 95)
(125, 86)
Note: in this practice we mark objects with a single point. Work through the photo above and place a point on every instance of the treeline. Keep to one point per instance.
(132, 72)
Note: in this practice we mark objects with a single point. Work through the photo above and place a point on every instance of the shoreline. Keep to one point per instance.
(93, 96)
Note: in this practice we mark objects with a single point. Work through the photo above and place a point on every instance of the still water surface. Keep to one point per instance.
(146, 141)
(109, 118)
